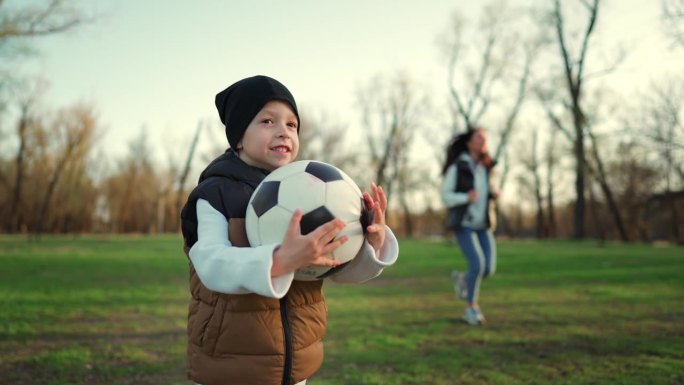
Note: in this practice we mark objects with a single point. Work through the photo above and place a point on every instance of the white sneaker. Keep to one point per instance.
(472, 316)
(480, 316)
(458, 279)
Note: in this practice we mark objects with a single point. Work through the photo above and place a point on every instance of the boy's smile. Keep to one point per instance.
(282, 148)
(271, 139)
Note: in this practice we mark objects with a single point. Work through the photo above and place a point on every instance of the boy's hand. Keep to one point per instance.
(299, 250)
(378, 205)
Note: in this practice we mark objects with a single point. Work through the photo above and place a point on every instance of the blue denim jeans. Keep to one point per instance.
(479, 249)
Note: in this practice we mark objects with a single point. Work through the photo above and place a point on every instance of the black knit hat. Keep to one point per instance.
(238, 104)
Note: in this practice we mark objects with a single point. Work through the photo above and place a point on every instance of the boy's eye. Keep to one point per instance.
(292, 124)
(267, 120)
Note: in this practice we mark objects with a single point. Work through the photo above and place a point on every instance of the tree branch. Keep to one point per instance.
(593, 10)
(554, 119)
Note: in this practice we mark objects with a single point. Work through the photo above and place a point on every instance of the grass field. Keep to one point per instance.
(112, 310)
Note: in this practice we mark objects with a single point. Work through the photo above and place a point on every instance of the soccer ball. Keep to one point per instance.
(323, 192)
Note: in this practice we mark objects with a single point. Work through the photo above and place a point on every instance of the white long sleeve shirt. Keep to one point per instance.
(225, 268)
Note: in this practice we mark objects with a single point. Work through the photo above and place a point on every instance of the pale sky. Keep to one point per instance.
(159, 63)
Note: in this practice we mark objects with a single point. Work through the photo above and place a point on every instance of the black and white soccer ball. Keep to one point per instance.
(323, 192)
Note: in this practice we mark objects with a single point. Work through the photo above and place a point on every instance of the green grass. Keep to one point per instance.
(112, 310)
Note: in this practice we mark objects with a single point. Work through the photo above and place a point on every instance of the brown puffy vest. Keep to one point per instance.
(250, 339)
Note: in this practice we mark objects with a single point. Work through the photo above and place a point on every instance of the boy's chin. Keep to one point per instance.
(280, 163)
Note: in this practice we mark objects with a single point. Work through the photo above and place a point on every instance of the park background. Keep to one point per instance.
(107, 119)
(107, 114)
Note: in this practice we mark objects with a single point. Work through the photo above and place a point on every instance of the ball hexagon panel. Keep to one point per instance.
(293, 168)
(349, 249)
(342, 198)
(301, 191)
(272, 226)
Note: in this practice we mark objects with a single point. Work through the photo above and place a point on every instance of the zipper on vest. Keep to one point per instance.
(287, 370)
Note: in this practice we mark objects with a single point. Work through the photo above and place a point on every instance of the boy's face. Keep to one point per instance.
(271, 138)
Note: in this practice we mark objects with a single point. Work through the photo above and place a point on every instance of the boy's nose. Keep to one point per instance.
(282, 130)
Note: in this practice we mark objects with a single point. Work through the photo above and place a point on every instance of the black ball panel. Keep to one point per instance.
(323, 171)
(266, 197)
(313, 219)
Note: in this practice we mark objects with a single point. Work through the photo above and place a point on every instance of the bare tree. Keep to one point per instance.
(322, 138)
(530, 178)
(634, 176)
(594, 166)
(470, 106)
(673, 16)
(573, 68)
(38, 20)
(658, 123)
(19, 168)
(27, 100)
(31, 20)
(133, 188)
(392, 111)
(17, 24)
(71, 135)
(595, 213)
(479, 72)
(180, 192)
(509, 125)
(551, 159)
(599, 172)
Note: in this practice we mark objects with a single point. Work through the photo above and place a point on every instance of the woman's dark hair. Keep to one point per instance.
(458, 145)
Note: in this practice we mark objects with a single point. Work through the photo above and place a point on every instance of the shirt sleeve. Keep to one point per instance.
(225, 268)
(449, 196)
(367, 264)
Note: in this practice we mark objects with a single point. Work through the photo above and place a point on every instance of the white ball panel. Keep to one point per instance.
(351, 182)
(301, 191)
(349, 249)
(343, 200)
(283, 172)
(273, 225)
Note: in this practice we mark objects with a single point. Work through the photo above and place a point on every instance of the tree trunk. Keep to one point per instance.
(184, 176)
(551, 225)
(15, 218)
(597, 217)
(607, 192)
(579, 172)
(52, 185)
(540, 214)
(574, 75)
(408, 219)
(550, 164)
(675, 221)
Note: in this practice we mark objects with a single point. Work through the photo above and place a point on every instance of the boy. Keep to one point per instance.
(248, 321)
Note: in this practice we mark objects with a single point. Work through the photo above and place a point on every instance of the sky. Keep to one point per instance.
(157, 64)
